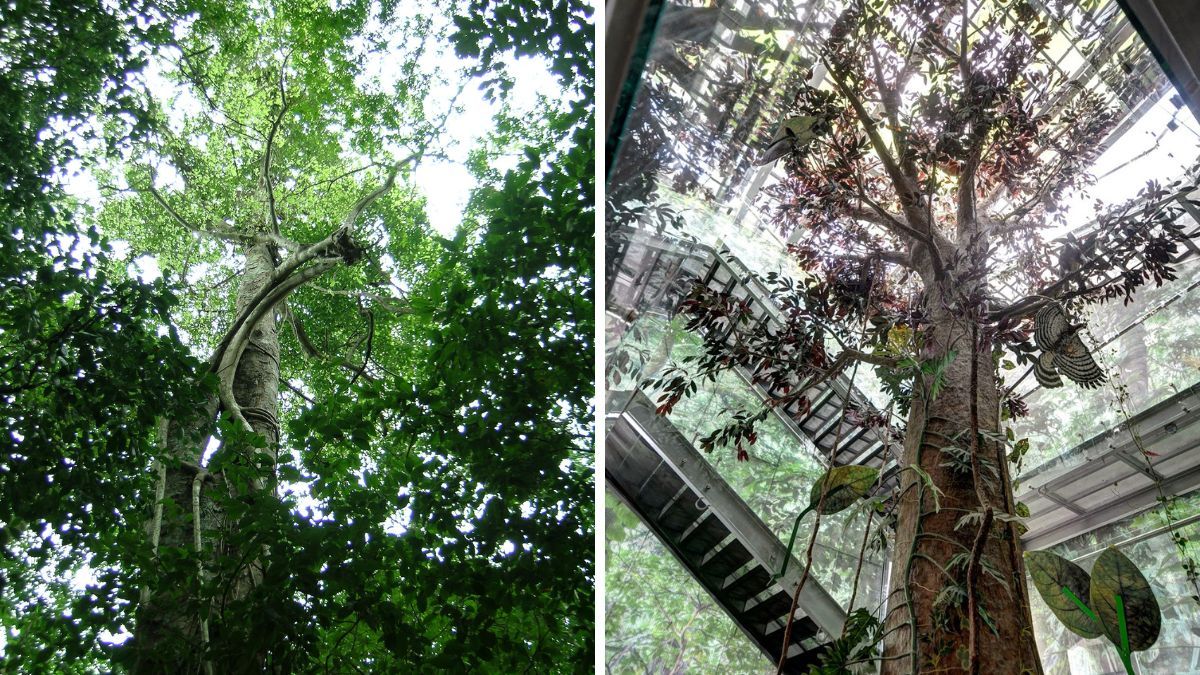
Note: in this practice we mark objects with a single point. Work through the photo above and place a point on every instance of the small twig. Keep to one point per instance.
(367, 355)
(299, 393)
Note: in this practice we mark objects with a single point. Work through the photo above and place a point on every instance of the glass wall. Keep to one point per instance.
(1143, 540)
(1150, 350)
(657, 618)
(683, 184)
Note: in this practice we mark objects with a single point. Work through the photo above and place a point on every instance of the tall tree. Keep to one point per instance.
(935, 157)
(381, 462)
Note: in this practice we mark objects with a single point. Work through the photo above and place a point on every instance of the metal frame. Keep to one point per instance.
(1169, 429)
(632, 416)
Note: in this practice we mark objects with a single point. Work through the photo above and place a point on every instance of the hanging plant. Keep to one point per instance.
(1119, 601)
(1190, 568)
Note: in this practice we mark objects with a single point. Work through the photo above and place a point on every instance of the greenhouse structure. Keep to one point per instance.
(724, 218)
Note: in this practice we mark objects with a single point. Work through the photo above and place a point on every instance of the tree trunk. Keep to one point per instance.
(931, 555)
(256, 391)
(169, 636)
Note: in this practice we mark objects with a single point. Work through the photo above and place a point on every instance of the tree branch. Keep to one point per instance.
(873, 359)
(221, 234)
(367, 199)
(272, 215)
(232, 354)
(193, 75)
(347, 174)
(311, 351)
(889, 97)
(977, 133)
(295, 390)
(389, 304)
(910, 198)
(226, 235)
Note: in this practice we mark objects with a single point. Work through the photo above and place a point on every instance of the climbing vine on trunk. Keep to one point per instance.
(323, 433)
(933, 160)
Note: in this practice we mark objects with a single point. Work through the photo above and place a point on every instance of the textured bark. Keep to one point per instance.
(256, 390)
(917, 570)
(168, 637)
(167, 634)
(256, 384)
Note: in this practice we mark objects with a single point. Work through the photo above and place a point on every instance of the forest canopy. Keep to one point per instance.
(295, 336)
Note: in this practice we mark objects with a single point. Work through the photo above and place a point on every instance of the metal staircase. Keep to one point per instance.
(652, 274)
(711, 531)
(680, 497)
(819, 423)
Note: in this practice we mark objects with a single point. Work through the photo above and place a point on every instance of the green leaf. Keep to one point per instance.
(845, 485)
(1113, 575)
(1052, 573)
(927, 480)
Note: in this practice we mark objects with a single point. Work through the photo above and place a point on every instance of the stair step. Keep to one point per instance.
(748, 585)
(803, 630)
(704, 535)
(722, 562)
(684, 510)
(657, 490)
(633, 468)
(765, 611)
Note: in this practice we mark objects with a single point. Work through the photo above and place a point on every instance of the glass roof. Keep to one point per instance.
(713, 92)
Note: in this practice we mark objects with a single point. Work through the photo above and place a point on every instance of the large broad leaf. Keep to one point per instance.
(845, 485)
(1115, 575)
(1051, 574)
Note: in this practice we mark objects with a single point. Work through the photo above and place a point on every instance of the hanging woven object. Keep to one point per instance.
(1062, 351)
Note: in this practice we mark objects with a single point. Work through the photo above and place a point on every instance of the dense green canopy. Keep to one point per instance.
(433, 488)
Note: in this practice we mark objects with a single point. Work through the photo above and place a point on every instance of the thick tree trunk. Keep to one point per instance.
(256, 391)
(169, 636)
(933, 552)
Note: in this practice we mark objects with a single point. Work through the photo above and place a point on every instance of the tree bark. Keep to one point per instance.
(169, 635)
(930, 553)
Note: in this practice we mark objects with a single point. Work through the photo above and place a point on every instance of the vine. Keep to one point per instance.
(1187, 562)
(812, 539)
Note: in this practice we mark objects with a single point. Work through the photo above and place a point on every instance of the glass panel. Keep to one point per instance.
(1150, 350)
(684, 185)
(781, 469)
(657, 618)
(1177, 649)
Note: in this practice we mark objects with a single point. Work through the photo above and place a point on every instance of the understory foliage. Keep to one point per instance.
(422, 500)
(933, 162)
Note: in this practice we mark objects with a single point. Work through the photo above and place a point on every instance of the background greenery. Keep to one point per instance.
(435, 516)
